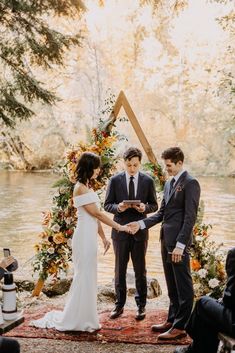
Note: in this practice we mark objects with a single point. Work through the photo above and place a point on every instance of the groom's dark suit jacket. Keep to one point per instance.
(178, 211)
(178, 214)
(117, 192)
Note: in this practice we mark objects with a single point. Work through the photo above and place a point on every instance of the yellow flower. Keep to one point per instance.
(36, 247)
(58, 238)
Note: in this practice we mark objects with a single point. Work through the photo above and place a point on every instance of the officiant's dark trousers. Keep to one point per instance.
(208, 318)
(124, 249)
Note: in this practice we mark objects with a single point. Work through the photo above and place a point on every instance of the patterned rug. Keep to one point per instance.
(124, 329)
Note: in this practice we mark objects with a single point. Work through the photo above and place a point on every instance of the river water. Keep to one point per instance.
(24, 196)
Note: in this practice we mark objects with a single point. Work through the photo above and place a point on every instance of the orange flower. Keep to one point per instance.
(46, 218)
(195, 230)
(53, 269)
(204, 233)
(195, 265)
(43, 235)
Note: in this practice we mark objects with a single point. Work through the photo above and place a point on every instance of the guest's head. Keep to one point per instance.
(132, 160)
(88, 167)
(173, 158)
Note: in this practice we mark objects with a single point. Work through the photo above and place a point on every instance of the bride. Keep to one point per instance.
(80, 311)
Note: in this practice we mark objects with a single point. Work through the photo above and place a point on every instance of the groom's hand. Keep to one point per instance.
(134, 227)
(177, 254)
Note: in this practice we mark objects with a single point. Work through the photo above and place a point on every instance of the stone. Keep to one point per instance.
(58, 288)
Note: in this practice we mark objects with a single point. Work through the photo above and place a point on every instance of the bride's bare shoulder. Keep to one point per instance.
(80, 189)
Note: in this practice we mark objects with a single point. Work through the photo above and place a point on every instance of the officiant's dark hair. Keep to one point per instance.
(175, 154)
(132, 152)
(86, 165)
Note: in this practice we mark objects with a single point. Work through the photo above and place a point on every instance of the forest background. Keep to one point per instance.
(173, 59)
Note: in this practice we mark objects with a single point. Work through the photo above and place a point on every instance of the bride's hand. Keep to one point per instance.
(106, 244)
(124, 228)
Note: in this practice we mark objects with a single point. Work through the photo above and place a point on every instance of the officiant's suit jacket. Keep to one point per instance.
(117, 192)
(124, 244)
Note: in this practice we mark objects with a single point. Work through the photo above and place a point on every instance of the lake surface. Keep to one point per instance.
(24, 196)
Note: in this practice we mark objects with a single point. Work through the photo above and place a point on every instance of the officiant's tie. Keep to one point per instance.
(131, 188)
(172, 182)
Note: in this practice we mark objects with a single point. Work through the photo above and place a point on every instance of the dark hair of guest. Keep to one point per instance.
(86, 165)
(131, 153)
(175, 154)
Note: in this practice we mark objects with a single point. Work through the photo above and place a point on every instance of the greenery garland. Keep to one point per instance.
(53, 251)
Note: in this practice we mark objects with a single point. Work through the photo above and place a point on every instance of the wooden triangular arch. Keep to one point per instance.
(123, 102)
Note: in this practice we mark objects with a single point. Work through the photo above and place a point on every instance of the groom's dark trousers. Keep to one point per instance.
(124, 244)
(211, 316)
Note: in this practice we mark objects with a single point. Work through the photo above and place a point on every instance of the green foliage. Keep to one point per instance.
(28, 42)
(156, 172)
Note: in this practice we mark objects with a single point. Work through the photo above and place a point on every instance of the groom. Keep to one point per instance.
(133, 185)
(178, 214)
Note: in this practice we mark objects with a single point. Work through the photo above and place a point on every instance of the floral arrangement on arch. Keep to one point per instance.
(53, 250)
(207, 264)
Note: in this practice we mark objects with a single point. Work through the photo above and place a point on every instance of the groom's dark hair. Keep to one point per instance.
(175, 154)
(132, 152)
(86, 165)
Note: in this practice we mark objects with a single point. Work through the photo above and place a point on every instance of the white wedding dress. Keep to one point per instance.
(80, 311)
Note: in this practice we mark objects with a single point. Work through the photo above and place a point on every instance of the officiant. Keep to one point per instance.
(130, 196)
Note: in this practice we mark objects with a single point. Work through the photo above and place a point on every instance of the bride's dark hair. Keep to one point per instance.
(86, 165)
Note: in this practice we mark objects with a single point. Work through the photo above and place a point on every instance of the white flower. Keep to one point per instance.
(55, 228)
(198, 238)
(213, 283)
(51, 250)
(63, 190)
(69, 243)
(69, 220)
(202, 273)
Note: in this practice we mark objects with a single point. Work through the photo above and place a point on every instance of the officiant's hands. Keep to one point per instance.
(140, 208)
(122, 207)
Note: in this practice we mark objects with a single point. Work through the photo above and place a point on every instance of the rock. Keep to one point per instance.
(154, 289)
(24, 285)
(106, 293)
(58, 288)
(153, 286)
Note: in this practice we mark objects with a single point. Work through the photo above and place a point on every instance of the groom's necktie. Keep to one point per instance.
(131, 189)
(171, 185)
